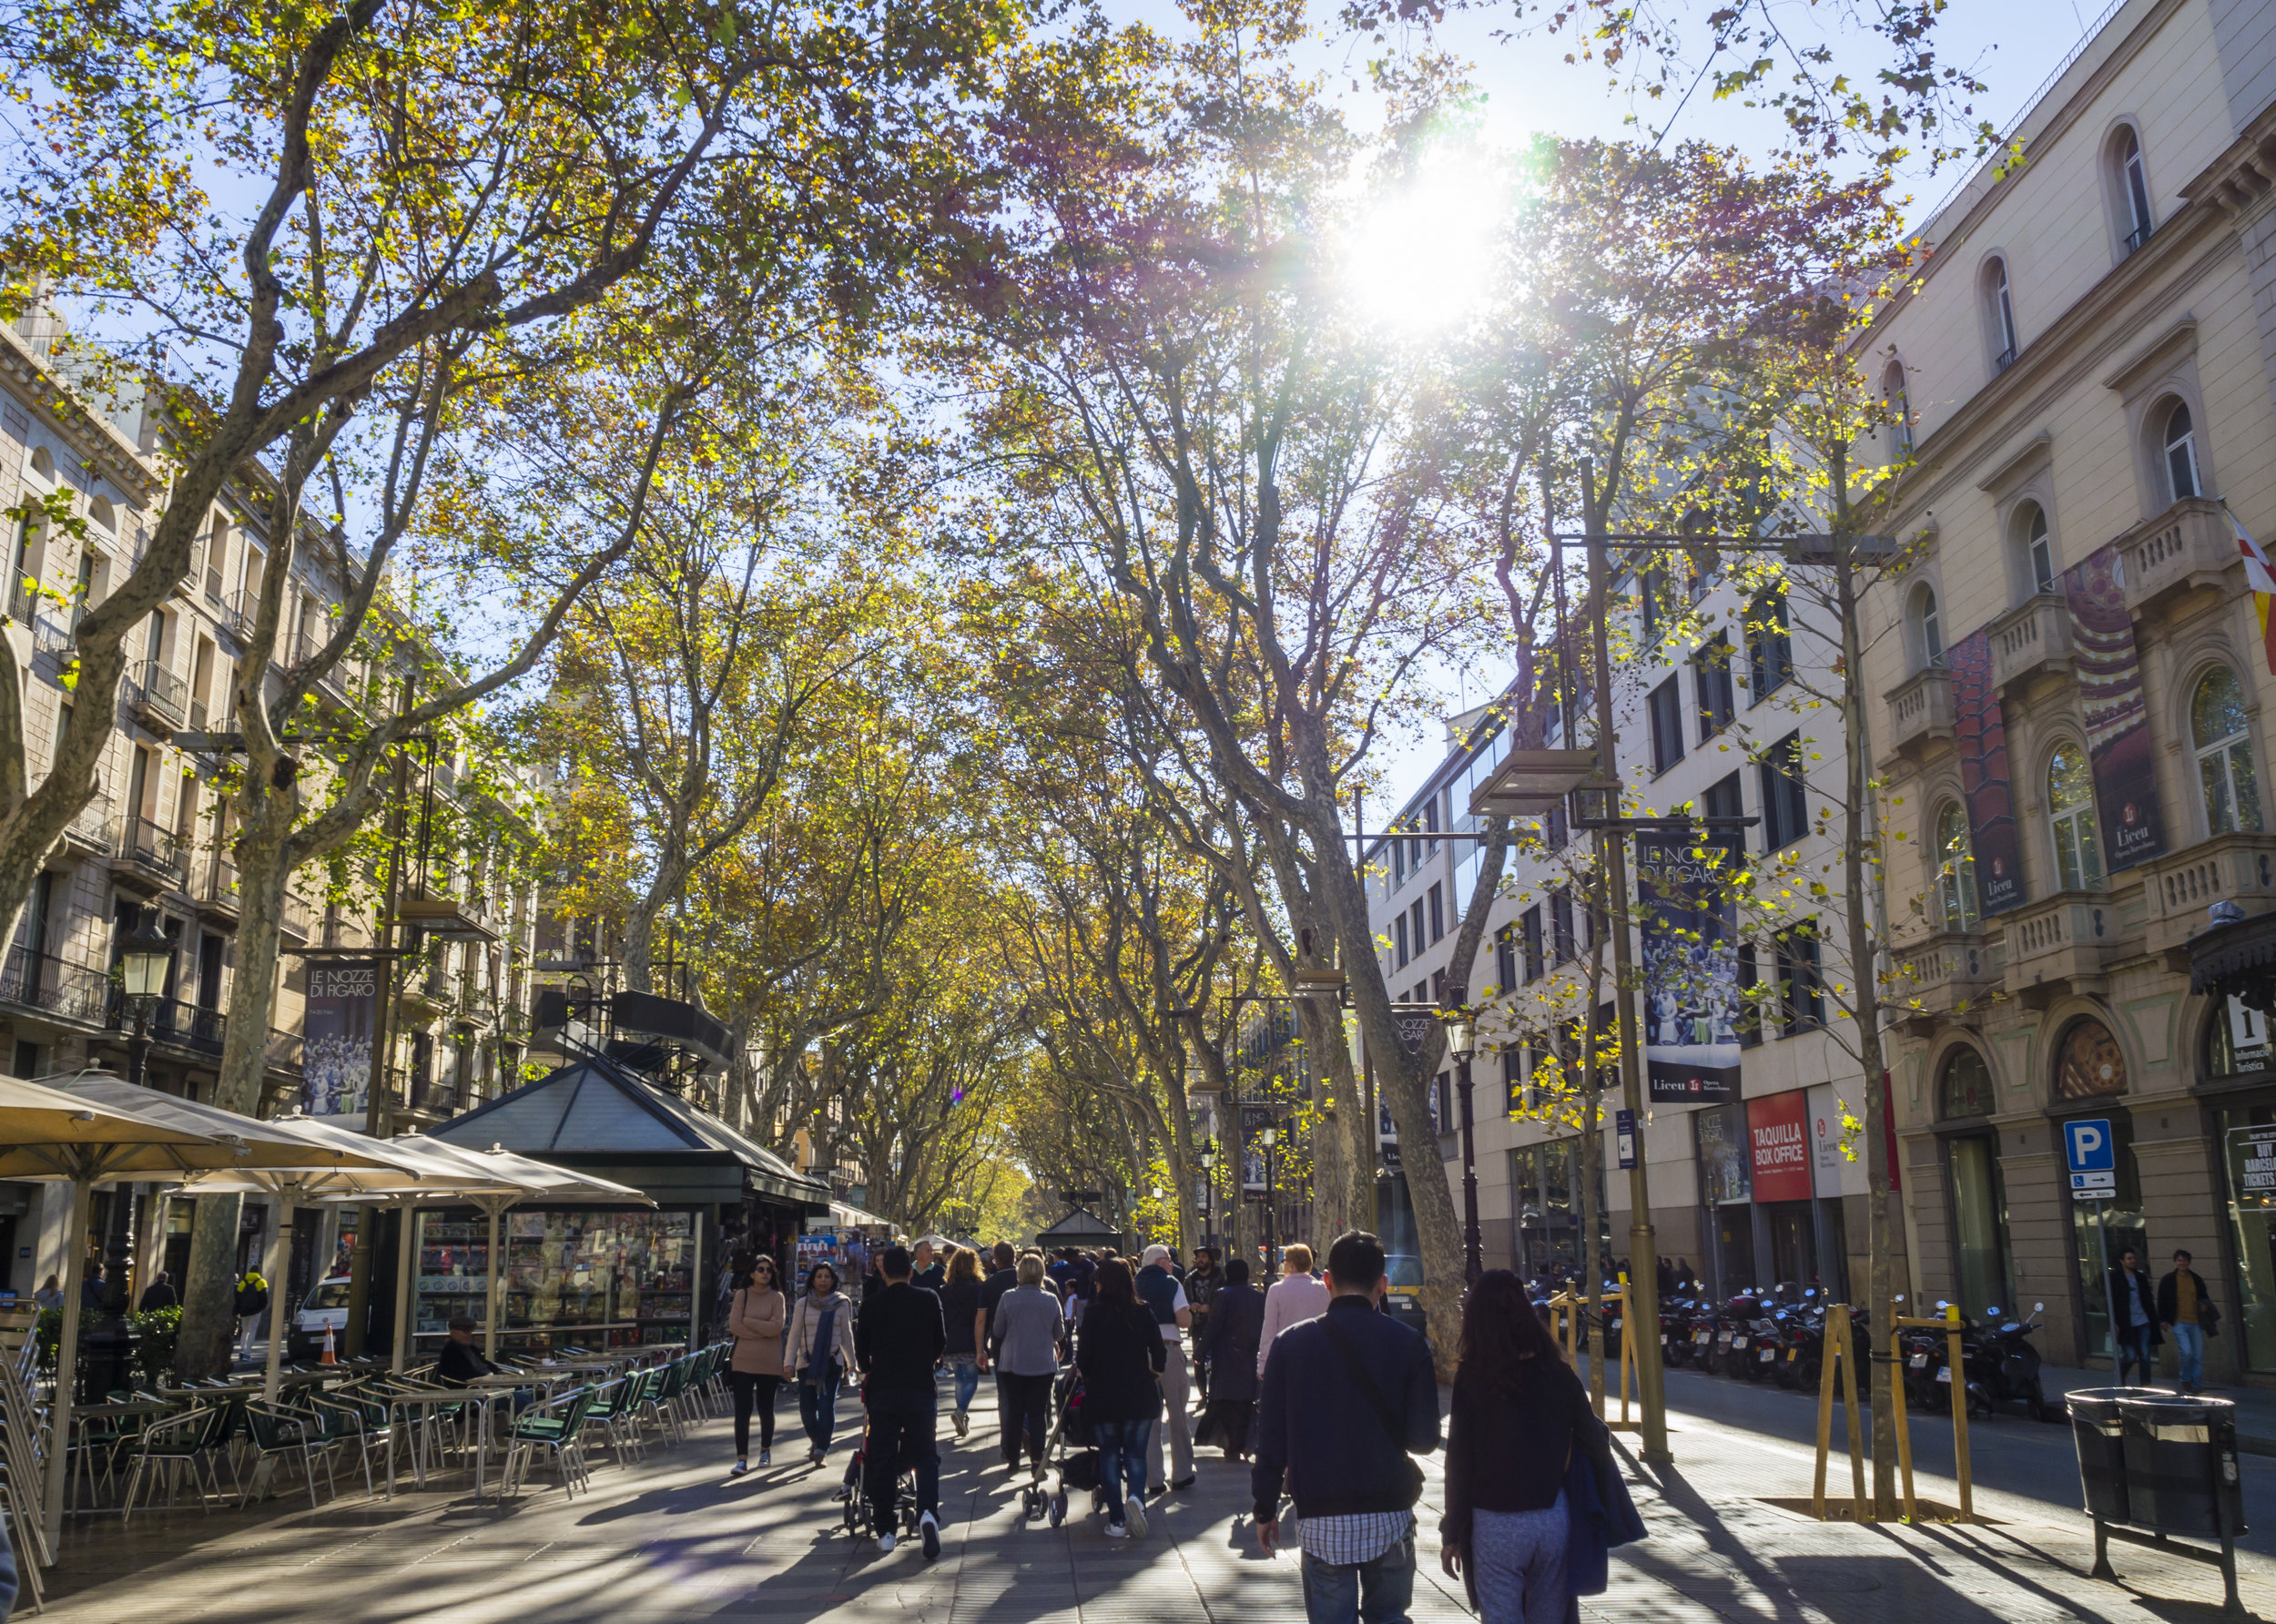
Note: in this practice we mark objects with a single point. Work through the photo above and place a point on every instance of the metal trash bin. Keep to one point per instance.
(2097, 1430)
(2180, 1463)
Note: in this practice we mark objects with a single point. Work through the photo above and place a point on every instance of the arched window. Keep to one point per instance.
(2038, 550)
(2224, 754)
(1955, 870)
(44, 464)
(2181, 453)
(2088, 1062)
(2070, 809)
(1931, 626)
(2133, 187)
(1964, 1088)
(104, 514)
(1999, 309)
(1900, 407)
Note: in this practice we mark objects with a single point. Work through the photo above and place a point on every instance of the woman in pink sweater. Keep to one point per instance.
(1295, 1298)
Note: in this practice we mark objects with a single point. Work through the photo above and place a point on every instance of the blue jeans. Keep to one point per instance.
(2134, 1350)
(2189, 1347)
(1121, 1459)
(967, 1369)
(1377, 1592)
(818, 1409)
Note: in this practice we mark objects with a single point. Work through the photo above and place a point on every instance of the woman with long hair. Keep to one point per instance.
(1119, 1350)
(1511, 1435)
(960, 1305)
(756, 1319)
(821, 1353)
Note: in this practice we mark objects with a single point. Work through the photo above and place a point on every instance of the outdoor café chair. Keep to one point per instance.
(553, 1425)
(190, 1441)
(278, 1432)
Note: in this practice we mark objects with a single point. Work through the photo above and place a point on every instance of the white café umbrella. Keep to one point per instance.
(413, 1173)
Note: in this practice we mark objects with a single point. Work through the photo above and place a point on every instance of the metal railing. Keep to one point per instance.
(283, 1050)
(235, 613)
(296, 916)
(171, 1022)
(93, 823)
(2137, 235)
(152, 846)
(2004, 360)
(161, 691)
(221, 882)
(42, 981)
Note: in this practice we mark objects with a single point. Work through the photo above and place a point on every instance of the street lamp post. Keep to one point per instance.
(1208, 1188)
(1462, 1039)
(1270, 1136)
(110, 1343)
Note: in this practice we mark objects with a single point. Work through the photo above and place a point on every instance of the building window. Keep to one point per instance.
(1769, 645)
(1561, 925)
(2180, 454)
(1711, 676)
(1801, 981)
(1722, 803)
(1437, 915)
(2224, 754)
(2088, 1062)
(1398, 864)
(1505, 957)
(1513, 1080)
(1652, 588)
(1401, 923)
(1414, 926)
(1900, 407)
(1955, 870)
(1786, 806)
(1965, 1088)
(1929, 624)
(2133, 187)
(1666, 707)
(1530, 930)
(1439, 987)
(1748, 1022)
(2070, 811)
(2038, 552)
(1999, 309)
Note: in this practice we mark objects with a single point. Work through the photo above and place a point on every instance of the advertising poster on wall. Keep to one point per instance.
(1778, 1145)
(1980, 736)
(1254, 1119)
(2117, 713)
(1723, 1163)
(1691, 969)
(343, 1006)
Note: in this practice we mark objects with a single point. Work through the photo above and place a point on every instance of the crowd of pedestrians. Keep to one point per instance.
(1325, 1398)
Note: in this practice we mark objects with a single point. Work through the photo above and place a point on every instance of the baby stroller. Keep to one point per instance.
(854, 1492)
(1072, 1451)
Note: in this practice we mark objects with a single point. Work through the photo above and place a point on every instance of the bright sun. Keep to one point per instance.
(1421, 258)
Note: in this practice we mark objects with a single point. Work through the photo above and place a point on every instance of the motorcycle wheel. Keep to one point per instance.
(1809, 1373)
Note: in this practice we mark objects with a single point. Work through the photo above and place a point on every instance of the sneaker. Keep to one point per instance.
(741, 1467)
(1115, 1530)
(1184, 1483)
(932, 1531)
(767, 1458)
(1154, 1491)
(962, 1424)
(885, 1541)
(1135, 1514)
(814, 1457)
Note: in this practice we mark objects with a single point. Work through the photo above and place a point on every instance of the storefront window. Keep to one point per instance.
(2248, 1141)
(612, 1278)
(1965, 1087)
(2097, 1250)
(2236, 1040)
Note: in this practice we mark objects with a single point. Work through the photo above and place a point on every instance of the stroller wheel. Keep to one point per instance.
(1059, 1508)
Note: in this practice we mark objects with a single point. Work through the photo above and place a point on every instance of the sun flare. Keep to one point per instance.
(1420, 259)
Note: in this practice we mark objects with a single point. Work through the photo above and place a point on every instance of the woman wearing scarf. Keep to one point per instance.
(821, 1352)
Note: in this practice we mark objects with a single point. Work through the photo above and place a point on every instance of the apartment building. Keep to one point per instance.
(1753, 1178)
(156, 838)
(2070, 690)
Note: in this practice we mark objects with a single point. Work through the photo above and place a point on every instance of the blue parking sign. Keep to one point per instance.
(2087, 1142)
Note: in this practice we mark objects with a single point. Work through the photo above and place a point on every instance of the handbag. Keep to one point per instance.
(1382, 1410)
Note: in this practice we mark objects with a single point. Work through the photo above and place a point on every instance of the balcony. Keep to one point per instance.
(1920, 713)
(171, 1023)
(213, 583)
(91, 829)
(296, 917)
(2179, 887)
(2061, 943)
(149, 853)
(157, 698)
(234, 614)
(2031, 641)
(283, 1051)
(428, 991)
(1947, 974)
(2188, 545)
(220, 893)
(51, 637)
(53, 987)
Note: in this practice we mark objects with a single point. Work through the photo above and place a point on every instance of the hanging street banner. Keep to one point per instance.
(343, 1008)
(1980, 740)
(2117, 713)
(1254, 1119)
(1691, 969)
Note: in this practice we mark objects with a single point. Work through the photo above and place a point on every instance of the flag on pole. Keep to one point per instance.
(2261, 576)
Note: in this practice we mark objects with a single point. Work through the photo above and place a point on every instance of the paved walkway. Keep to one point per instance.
(674, 1539)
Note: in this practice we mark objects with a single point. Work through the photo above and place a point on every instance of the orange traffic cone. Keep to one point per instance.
(328, 1358)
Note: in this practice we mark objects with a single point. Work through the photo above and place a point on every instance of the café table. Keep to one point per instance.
(116, 1409)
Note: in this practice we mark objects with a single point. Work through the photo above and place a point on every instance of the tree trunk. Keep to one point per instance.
(201, 1348)
(1331, 1143)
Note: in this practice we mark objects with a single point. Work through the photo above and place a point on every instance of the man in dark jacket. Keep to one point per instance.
(2186, 1309)
(159, 1293)
(1202, 1282)
(899, 1338)
(1346, 1398)
(1236, 1322)
(2136, 1329)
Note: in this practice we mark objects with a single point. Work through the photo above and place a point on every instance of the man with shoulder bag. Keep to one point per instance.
(2187, 1311)
(1349, 1400)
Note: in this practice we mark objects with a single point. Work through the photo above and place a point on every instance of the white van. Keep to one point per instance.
(326, 1305)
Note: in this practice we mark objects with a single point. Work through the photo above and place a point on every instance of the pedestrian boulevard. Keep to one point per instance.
(674, 1538)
